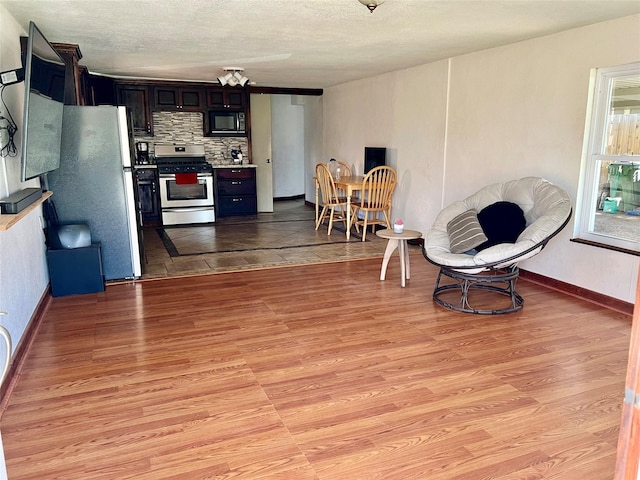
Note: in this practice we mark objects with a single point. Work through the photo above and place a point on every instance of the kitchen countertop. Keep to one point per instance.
(232, 165)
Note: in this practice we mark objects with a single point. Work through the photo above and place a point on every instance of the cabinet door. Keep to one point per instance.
(178, 98)
(216, 97)
(236, 187)
(149, 202)
(235, 190)
(237, 205)
(101, 90)
(235, 100)
(225, 98)
(165, 97)
(136, 98)
(234, 173)
(192, 98)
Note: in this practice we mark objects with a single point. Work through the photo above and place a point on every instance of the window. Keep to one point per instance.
(609, 196)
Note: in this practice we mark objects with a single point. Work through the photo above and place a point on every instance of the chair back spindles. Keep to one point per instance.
(345, 171)
(333, 206)
(377, 192)
(327, 185)
(378, 186)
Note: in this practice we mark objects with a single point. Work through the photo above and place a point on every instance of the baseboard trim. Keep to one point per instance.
(22, 349)
(294, 197)
(606, 301)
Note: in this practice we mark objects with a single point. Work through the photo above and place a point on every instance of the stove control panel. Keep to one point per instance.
(185, 168)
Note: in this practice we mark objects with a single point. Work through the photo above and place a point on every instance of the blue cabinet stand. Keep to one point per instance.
(75, 271)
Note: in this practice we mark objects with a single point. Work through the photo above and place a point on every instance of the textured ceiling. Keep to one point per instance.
(294, 43)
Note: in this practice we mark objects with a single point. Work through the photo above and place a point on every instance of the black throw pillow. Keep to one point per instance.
(502, 222)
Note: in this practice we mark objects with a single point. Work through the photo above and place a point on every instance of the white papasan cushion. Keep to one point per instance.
(546, 207)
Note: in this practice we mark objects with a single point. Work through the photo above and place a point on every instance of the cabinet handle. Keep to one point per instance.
(237, 200)
(236, 183)
(236, 171)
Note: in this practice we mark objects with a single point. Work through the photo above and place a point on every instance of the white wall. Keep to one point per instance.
(23, 269)
(451, 127)
(287, 146)
(312, 142)
(404, 111)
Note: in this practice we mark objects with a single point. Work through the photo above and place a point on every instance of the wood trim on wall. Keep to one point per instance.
(628, 439)
(573, 290)
(285, 90)
(22, 350)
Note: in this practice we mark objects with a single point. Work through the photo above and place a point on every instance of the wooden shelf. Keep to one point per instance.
(8, 220)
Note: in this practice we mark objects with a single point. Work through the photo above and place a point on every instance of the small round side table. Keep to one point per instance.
(397, 240)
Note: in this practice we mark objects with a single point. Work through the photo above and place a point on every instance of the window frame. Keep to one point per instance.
(600, 92)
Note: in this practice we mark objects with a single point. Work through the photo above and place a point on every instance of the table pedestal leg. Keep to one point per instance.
(391, 246)
(348, 215)
(317, 211)
(404, 264)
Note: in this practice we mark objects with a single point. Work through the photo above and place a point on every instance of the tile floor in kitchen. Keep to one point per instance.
(160, 264)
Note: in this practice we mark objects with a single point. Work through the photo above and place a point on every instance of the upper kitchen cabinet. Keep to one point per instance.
(178, 98)
(136, 98)
(101, 90)
(227, 97)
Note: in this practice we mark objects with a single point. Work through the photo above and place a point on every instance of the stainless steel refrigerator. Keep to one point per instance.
(94, 184)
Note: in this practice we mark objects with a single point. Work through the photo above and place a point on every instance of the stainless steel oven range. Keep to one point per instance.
(186, 184)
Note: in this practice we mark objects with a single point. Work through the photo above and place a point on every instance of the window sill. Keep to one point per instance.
(606, 246)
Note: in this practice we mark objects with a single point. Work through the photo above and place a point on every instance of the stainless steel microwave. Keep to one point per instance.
(224, 122)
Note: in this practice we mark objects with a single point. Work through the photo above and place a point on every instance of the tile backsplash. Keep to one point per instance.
(187, 128)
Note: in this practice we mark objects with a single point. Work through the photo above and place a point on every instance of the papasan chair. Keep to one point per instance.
(477, 242)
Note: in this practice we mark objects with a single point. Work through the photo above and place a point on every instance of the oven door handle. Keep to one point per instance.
(187, 209)
(172, 176)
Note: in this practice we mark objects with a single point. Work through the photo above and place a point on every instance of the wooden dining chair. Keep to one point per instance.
(333, 206)
(345, 171)
(375, 197)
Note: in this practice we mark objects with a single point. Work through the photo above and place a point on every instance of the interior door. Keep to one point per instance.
(261, 149)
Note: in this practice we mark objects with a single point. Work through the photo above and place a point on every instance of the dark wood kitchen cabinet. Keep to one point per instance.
(101, 90)
(235, 191)
(178, 98)
(136, 98)
(74, 86)
(148, 196)
(232, 98)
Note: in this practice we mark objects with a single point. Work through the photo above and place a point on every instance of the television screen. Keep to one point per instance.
(374, 157)
(43, 105)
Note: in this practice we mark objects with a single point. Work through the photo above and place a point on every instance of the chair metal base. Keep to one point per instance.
(501, 281)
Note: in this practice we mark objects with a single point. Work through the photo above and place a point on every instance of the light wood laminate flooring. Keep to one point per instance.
(316, 372)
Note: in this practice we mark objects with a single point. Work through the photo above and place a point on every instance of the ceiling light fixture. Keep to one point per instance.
(233, 77)
(371, 4)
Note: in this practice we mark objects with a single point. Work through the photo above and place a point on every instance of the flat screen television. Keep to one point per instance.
(43, 106)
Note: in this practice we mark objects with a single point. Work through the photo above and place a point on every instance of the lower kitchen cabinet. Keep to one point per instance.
(235, 191)
(148, 196)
